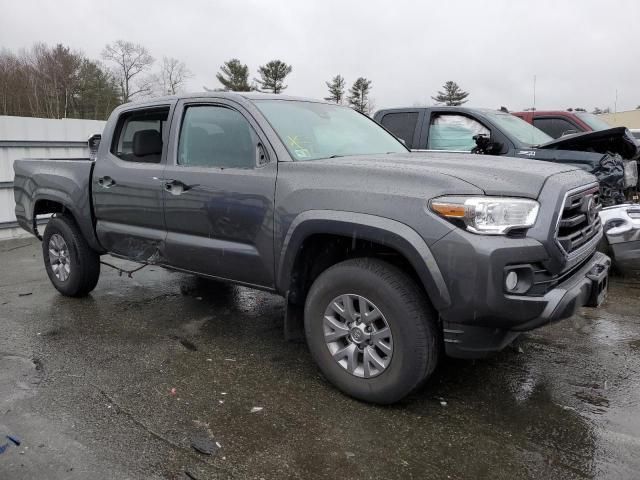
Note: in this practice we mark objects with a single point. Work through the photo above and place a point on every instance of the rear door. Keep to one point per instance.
(126, 186)
(218, 189)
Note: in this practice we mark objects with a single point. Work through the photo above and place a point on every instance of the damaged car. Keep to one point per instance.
(611, 154)
(387, 258)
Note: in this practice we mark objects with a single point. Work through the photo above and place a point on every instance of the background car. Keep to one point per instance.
(557, 123)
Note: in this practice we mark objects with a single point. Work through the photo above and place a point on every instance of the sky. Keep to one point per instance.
(581, 52)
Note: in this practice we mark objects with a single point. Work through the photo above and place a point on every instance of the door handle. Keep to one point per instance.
(106, 181)
(176, 187)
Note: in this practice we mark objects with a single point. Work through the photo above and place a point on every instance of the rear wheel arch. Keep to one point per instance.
(45, 204)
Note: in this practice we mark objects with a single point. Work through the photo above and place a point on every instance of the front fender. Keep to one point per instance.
(384, 231)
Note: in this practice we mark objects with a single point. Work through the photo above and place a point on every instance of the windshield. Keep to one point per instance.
(519, 129)
(312, 131)
(594, 122)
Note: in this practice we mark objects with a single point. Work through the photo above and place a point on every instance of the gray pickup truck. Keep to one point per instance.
(386, 258)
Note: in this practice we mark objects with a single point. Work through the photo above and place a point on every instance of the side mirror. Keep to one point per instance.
(484, 145)
(94, 143)
(402, 141)
(569, 132)
(261, 155)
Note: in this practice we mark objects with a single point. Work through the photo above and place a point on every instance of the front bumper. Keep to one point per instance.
(622, 232)
(473, 336)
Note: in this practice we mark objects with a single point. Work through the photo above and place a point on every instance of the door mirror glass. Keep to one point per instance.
(94, 143)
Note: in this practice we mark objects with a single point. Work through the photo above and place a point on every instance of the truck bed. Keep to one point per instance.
(63, 181)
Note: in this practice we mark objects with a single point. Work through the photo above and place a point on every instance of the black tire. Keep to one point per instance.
(408, 313)
(84, 263)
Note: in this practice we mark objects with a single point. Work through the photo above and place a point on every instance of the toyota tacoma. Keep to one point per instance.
(386, 261)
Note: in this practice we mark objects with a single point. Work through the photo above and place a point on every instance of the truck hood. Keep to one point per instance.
(613, 140)
(504, 176)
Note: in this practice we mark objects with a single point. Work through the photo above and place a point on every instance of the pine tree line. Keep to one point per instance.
(57, 82)
(234, 77)
(359, 94)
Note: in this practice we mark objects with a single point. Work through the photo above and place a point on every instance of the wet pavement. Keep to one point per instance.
(121, 383)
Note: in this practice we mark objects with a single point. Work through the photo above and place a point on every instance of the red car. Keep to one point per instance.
(557, 123)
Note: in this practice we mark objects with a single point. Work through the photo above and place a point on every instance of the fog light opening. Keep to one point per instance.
(511, 281)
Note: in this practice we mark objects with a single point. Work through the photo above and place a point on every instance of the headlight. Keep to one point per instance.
(630, 173)
(487, 215)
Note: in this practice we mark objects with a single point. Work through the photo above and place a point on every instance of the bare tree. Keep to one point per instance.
(131, 61)
(173, 76)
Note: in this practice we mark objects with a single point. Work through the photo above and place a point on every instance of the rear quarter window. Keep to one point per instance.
(402, 125)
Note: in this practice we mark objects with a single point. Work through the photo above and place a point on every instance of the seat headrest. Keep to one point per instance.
(147, 142)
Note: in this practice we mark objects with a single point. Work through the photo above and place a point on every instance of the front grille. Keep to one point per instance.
(579, 221)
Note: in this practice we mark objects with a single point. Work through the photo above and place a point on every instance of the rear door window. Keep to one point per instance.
(139, 135)
(402, 125)
(454, 132)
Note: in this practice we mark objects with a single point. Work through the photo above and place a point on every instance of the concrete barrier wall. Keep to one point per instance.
(26, 137)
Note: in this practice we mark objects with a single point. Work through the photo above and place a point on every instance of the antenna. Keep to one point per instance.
(534, 93)
(534, 108)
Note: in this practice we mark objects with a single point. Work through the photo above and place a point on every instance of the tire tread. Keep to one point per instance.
(87, 259)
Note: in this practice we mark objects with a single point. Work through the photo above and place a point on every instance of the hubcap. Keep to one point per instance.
(357, 335)
(59, 257)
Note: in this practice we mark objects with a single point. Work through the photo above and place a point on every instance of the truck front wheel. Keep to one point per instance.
(72, 266)
(371, 330)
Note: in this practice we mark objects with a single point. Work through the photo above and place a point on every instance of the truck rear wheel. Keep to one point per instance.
(72, 266)
(371, 330)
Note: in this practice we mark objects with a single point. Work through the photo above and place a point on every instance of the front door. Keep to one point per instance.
(218, 188)
(127, 190)
(453, 132)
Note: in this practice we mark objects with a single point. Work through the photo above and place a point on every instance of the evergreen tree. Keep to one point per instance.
(336, 89)
(234, 76)
(272, 76)
(452, 96)
(97, 93)
(359, 95)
